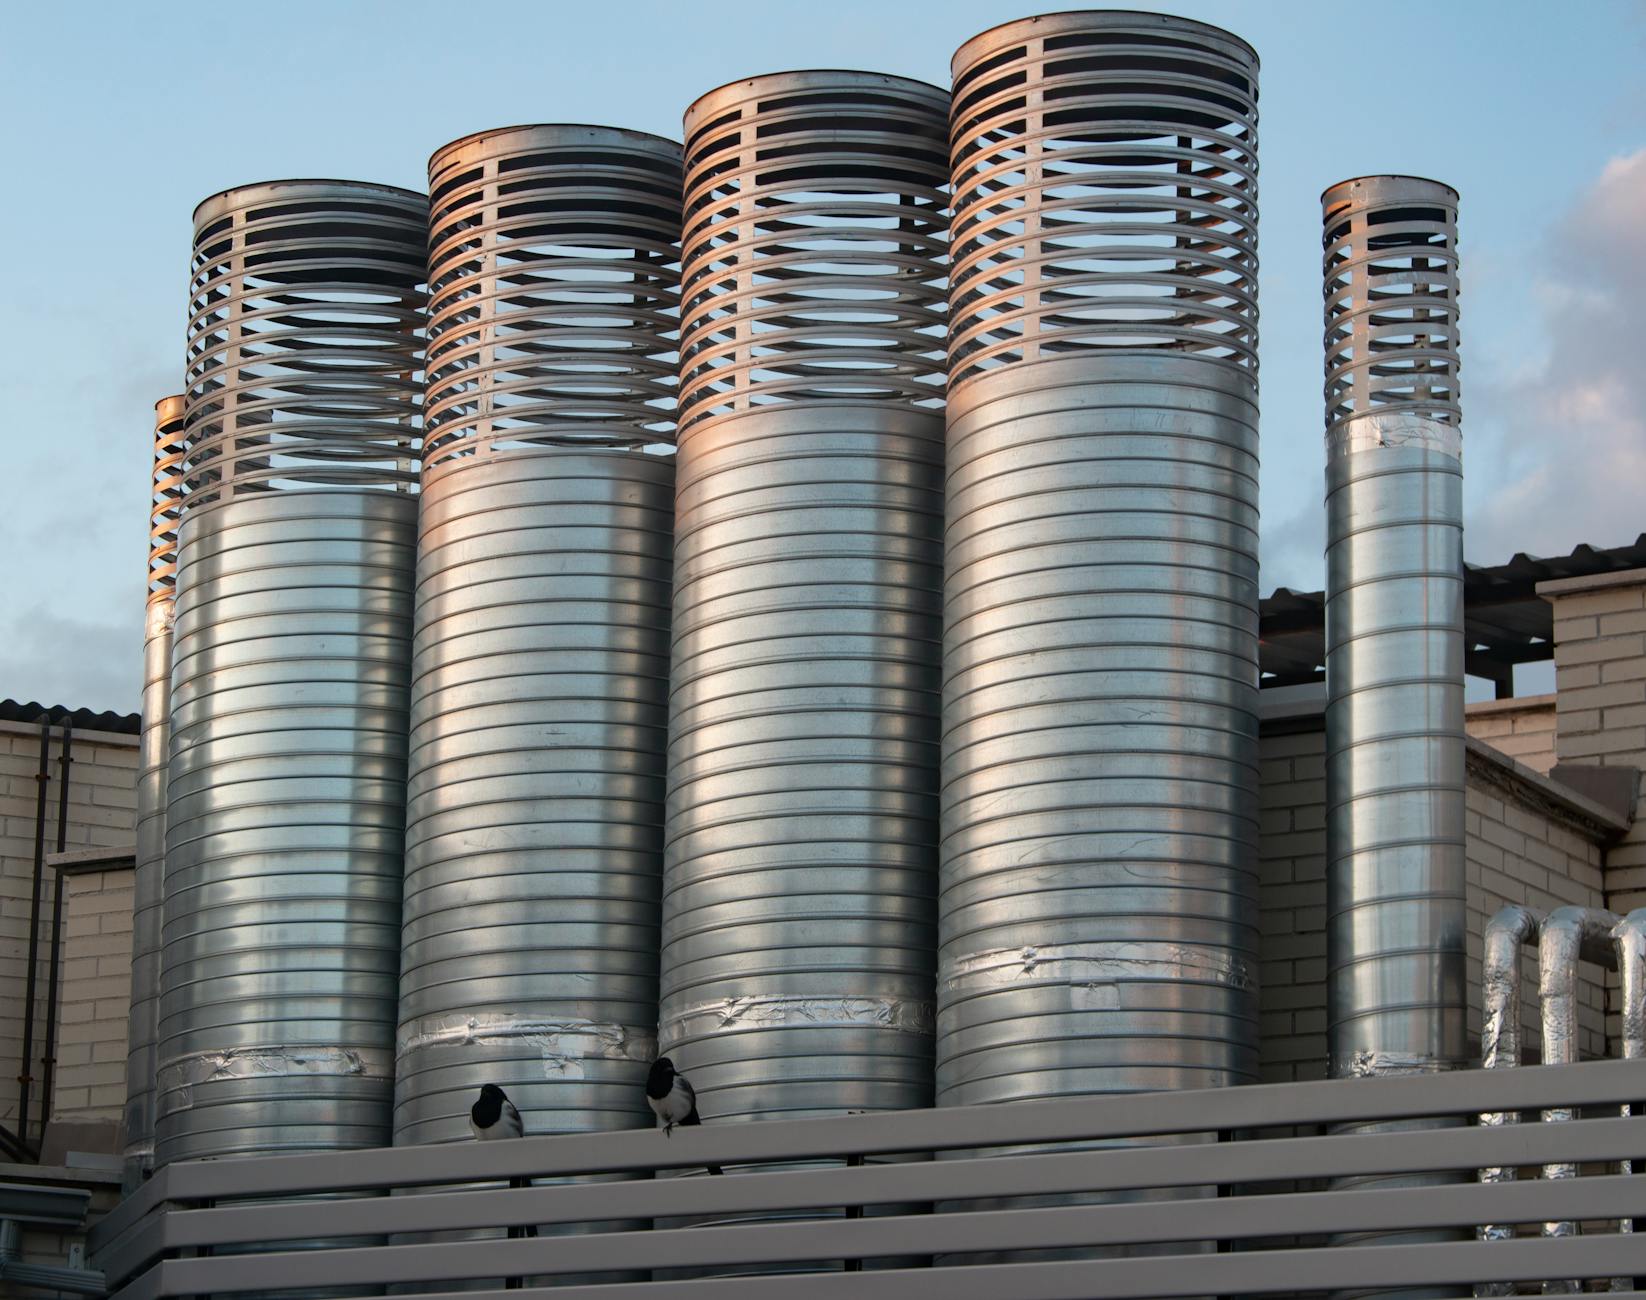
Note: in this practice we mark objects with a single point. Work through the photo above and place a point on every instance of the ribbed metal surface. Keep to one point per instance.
(798, 914)
(285, 823)
(553, 286)
(1105, 192)
(166, 509)
(303, 348)
(535, 799)
(1394, 629)
(1099, 834)
(1099, 914)
(540, 696)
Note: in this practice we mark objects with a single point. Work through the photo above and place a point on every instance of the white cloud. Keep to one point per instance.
(1558, 452)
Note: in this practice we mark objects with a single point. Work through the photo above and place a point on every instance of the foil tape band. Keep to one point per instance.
(178, 1078)
(1366, 1064)
(797, 1011)
(1377, 430)
(1095, 966)
(565, 1042)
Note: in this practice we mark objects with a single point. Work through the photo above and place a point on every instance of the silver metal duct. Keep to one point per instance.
(1570, 935)
(285, 824)
(304, 363)
(166, 508)
(1100, 770)
(540, 678)
(290, 663)
(798, 910)
(1508, 933)
(1630, 937)
(1394, 619)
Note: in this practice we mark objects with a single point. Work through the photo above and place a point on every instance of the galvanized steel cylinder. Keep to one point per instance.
(285, 823)
(303, 358)
(800, 873)
(165, 510)
(291, 655)
(1394, 629)
(1100, 819)
(540, 680)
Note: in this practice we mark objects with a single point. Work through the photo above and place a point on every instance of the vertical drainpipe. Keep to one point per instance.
(1394, 636)
(48, 1058)
(25, 1075)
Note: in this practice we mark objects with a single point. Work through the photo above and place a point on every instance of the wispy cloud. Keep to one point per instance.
(1559, 455)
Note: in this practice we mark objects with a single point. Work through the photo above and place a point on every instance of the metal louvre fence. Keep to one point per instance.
(161, 1241)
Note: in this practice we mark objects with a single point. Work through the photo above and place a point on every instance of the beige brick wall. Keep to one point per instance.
(1600, 679)
(1520, 850)
(1524, 728)
(1292, 902)
(95, 1002)
(1523, 850)
(101, 813)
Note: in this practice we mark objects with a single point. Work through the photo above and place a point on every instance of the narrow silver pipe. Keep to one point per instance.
(1394, 616)
(1507, 934)
(1570, 935)
(1395, 840)
(165, 512)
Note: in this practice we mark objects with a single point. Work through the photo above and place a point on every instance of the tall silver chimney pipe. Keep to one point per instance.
(1395, 843)
(1394, 629)
(1100, 805)
(285, 813)
(540, 672)
(800, 871)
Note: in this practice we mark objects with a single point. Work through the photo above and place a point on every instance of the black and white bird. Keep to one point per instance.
(494, 1116)
(672, 1098)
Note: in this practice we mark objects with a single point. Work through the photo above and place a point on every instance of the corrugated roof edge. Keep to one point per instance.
(126, 724)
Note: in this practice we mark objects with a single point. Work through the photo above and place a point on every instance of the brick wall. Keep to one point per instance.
(101, 813)
(1524, 728)
(1525, 846)
(1600, 680)
(95, 1002)
(1292, 901)
(1530, 843)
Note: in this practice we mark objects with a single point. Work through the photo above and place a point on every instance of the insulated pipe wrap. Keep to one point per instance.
(535, 800)
(166, 509)
(798, 925)
(1394, 630)
(285, 823)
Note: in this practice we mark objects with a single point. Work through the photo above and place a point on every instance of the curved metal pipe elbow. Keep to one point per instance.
(1629, 936)
(1510, 930)
(1570, 935)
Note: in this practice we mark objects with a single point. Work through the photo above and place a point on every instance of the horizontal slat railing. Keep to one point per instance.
(189, 1208)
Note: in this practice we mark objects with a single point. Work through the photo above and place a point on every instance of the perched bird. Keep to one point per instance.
(672, 1098)
(494, 1115)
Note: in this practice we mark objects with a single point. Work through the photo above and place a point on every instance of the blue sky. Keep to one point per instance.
(118, 118)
